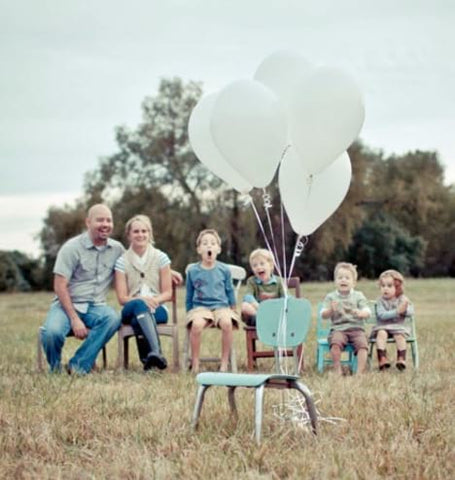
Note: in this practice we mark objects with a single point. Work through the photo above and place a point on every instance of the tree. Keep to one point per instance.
(156, 173)
(19, 273)
(381, 243)
(60, 224)
(411, 189)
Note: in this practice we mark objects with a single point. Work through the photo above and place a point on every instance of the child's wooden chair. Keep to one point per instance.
(411, 340)
(323, 357)
(251, 336)
(278, 333)
(238, 274)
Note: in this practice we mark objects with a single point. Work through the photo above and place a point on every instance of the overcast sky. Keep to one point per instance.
(73, 70)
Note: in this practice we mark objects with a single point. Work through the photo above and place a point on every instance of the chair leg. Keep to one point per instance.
(233, 359)
(250, 351)
(126, 353)
(104, 358)
(119, 350)
(259, 402)
(198, 405)
(311, 408)
(186, 352)
(415, 355)
(232, 404)
(175, 351)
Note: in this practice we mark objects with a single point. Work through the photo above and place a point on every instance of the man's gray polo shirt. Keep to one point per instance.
(89, 269)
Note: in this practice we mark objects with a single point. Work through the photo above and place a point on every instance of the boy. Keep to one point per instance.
(347, 308)
(210, 298)
(260, 286)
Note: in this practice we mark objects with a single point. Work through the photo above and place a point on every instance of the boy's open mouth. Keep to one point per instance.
(209, 253)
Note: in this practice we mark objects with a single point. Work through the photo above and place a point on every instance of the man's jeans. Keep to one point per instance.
(102, 320)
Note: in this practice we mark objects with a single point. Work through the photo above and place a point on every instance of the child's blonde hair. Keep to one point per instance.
(347, 266)
(262, 252)
(140, 218)
(398, 280)
(210, 231)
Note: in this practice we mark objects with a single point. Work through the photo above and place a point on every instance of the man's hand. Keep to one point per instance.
(79, 329)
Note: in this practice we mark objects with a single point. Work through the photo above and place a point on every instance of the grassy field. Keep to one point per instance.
(116, 424)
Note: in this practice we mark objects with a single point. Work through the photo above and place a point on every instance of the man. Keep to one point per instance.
(83, 272)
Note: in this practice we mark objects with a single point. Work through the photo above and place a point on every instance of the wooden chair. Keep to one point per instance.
(251, 337)
(169, 329)
(40, 352)
(412, 340)
(238, 275)
(270, 314)
(323, 357)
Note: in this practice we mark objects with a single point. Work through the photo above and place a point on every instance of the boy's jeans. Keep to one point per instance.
(102, 320)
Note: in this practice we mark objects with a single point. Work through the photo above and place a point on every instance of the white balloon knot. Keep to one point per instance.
(267, 200)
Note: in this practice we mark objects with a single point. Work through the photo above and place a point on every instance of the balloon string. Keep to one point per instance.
(283, 247)
(261, 226)
(298, 249)
(281, 334)
(267, 206)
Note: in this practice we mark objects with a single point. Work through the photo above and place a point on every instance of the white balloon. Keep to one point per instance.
(281, 71)
(326, 116)
(310, 199)
(250, 130)
(204, 148)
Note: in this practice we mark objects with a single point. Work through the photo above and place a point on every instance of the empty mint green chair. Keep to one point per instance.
(276, 333)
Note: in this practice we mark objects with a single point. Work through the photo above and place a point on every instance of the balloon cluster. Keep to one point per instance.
(291, 115)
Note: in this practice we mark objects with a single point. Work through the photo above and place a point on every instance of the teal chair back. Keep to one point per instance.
(283, 322)
(323, 325)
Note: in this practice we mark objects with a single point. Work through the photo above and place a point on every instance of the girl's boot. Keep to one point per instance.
(382, 359)
(401, 359)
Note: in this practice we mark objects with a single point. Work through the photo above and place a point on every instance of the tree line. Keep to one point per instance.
(398, 212)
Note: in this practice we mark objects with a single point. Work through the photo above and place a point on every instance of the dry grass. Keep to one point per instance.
(116, 424)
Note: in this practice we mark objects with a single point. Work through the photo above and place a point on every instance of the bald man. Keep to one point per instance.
(83, 273)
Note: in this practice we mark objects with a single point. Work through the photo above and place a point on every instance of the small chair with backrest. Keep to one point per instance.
(39, 352)
(281, 323)
(411, 340)
(251, 336)
(238, 274)
(323, 357)
(169, 329)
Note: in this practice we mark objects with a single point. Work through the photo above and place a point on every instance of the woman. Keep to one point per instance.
(143, 282)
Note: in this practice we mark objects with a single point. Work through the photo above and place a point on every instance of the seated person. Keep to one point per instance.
(263, 285)
(347, 308)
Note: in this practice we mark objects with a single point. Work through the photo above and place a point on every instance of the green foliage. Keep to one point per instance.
(156, 173)
(381, 243)
(19, 273)
(60, 224)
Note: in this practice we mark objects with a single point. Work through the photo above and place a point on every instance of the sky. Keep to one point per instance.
(73, 70)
